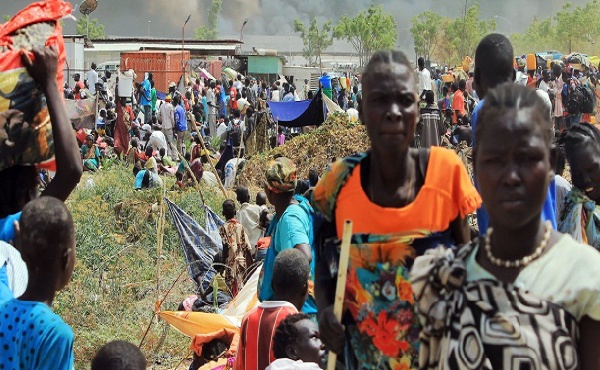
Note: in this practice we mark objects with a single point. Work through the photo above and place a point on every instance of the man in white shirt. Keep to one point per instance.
(212, 103)
(424, 78)
(545, 80)
(238, 83)
(221, 129)
(167, 120)
(157, 139)
(352, 113)
(231, 168)
(92, 78)
(275, 94)
(248, 215)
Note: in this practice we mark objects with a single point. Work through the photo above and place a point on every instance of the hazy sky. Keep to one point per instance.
(130, 17)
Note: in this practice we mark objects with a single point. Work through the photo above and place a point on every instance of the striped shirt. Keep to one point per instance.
(255, 350)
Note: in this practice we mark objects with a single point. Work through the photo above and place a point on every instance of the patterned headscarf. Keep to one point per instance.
(280, 176)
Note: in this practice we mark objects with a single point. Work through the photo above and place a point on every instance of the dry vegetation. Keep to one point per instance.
(336, 138)
(114, 286)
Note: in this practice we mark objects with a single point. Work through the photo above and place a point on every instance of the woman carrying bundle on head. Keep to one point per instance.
(402, 201)
(523, 295)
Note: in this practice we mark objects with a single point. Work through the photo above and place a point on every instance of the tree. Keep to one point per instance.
(209, 32)
(369, 31)
(315, 40)
(540, 35)
(96, 29)
(577, 27)
(7, 17)
(464, 33)
(426, 32)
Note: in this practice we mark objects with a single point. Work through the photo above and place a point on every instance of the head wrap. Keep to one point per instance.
(280, 176)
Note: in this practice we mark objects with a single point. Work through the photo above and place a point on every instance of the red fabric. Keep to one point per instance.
(121, 132)
(43, 11)
(255, 351)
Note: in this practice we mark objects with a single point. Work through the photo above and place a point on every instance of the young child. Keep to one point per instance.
(31, 335)
(236, 248)
(290, 285)
(119, 355)
(297, 344)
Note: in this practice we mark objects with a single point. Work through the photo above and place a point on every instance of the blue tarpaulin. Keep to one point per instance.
(199, 245)
(299, 113)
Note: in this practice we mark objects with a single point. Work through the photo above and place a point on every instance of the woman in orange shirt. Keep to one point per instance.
(402, 202)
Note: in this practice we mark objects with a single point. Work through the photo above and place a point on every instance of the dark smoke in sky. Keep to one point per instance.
(272, 17)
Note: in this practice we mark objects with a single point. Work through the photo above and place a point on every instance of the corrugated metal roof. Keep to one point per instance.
(135, 46)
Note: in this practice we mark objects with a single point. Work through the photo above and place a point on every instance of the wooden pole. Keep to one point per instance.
(340, 289)
(160, 239)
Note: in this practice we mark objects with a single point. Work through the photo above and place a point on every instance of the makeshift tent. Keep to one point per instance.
(299, 113)
(230, 73)
(332, 106)
(199, 245)
(205, 74)
(193, 323)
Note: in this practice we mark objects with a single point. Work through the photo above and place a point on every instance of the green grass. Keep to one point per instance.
(114, 286)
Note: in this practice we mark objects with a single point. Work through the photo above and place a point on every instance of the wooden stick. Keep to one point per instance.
(340, 289)
(160, 238)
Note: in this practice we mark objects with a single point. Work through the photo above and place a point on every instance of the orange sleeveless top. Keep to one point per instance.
(446, 194)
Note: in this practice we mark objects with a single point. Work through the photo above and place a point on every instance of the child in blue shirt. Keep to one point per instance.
(31, 335)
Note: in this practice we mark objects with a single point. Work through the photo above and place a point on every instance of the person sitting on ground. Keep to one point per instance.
(90, 154)
(19, 184)
(135, 155)
(182, 168)
(165, 160)
(157, 139)
(291, 272)
(237, 250)
(580, 215)
(145, 179)
(151, 162)
(208, 177)
(248, 215)
(297, 344)
(31, 335)
(119, 355)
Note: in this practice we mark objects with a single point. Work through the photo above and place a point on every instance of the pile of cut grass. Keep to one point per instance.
(113, 291)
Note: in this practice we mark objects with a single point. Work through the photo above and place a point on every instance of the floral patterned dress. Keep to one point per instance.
(382, 331)
(237, 254)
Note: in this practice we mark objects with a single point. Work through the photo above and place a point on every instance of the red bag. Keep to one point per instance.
(25, 129)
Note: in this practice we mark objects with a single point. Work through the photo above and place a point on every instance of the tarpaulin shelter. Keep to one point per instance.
(193, 323)
(205, 74)
(299, 113)
(199, 245)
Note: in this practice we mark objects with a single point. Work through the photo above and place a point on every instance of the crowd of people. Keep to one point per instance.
(425, 289)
